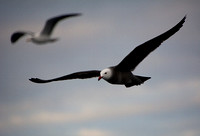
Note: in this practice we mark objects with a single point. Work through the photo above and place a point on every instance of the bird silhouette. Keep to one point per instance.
(122, 73)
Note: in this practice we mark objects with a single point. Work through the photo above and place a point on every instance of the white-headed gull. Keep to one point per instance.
(45, 35)
(121, 73)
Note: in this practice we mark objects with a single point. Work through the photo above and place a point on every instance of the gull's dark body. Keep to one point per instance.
(121, 73)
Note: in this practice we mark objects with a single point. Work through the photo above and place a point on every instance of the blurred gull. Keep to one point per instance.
(45, 35)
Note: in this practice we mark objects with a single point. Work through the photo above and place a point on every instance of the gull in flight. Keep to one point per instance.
(122, 73)
(45, 35)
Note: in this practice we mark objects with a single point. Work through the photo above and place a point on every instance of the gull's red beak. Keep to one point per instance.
(99, 78)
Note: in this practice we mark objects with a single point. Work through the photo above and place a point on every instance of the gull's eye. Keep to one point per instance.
(105, 72)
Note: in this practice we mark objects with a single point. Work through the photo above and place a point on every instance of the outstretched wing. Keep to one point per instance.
(140, 52)
(17, 35)
(77, 75)
(51, 23)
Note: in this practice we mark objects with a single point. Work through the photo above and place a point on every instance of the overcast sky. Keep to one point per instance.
(166, 105)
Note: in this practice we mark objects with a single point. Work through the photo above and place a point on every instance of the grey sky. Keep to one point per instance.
(168, 104)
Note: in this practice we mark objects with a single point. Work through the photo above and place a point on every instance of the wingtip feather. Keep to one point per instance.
(37, 80)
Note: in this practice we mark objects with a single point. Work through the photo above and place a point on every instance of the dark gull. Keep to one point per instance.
(121, 73)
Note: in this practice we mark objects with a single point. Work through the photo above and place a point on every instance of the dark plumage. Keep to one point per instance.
(78, 75)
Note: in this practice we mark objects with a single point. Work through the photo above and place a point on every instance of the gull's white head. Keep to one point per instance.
(105, 74)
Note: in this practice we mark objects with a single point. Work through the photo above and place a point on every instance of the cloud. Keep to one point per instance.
(85, 114)
(93, 132)
(143, 101)
(191, 132)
